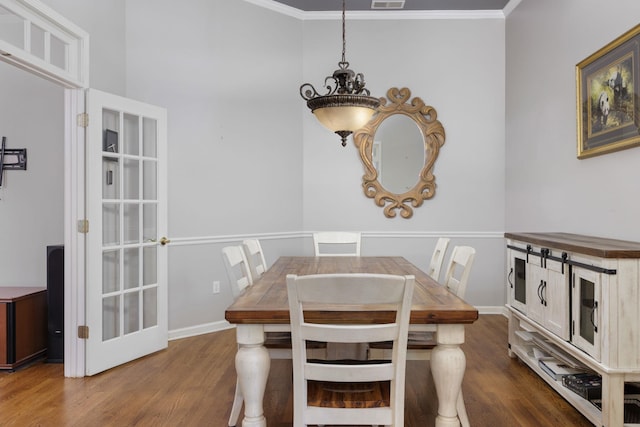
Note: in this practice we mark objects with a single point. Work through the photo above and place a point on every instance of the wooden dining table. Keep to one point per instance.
(264, 307)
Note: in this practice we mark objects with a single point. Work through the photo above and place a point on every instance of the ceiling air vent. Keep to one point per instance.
(378, 4)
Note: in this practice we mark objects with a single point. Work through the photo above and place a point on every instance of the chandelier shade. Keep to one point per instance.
(347, 106)
(343, 112)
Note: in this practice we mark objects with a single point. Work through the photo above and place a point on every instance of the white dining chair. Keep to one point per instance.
(255, 257)
(459, 269)
(340, 243)
(360, 392)
(237, 268)
(437, 258)
(421, 343)
(336, 243)
(277, 343)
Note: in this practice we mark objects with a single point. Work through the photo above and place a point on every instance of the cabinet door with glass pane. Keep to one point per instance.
(517, 279)
(126, 208)
(586, 311)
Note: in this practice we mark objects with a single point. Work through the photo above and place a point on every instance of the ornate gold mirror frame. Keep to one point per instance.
(425, 117)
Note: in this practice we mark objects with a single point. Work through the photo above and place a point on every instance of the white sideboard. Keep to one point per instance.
(580, 297)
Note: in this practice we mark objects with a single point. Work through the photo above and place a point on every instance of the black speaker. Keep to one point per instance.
(55, 302)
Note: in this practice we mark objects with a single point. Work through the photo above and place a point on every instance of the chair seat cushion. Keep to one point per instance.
(348, 395)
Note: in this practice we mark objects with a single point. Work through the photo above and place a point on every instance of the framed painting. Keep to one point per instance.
(607, 97)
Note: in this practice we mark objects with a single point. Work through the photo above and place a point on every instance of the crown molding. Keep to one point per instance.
(387, 14)
(510, 6)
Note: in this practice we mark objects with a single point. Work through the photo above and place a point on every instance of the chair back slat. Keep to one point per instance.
(459, 269)
(237, 269)
(437, 258)
(336, 243)
(255, 257)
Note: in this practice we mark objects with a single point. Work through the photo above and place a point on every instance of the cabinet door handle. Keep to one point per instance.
(544, 293)
(509, 278)
(593, 315)
(540, 292)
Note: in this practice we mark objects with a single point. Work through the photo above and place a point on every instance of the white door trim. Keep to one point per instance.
(74, 241)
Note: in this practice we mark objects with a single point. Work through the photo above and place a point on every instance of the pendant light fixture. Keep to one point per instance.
(347, 106)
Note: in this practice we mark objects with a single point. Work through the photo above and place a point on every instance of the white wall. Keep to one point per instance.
(32, 117)
(228, 72)
(457, 66)
(31, 201)
(548, 188)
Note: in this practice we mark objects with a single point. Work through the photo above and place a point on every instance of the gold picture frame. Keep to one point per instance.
(607, 97)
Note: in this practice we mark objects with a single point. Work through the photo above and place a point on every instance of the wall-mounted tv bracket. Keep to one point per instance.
(11, 159)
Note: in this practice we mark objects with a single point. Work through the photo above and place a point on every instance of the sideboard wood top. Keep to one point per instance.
(587, 245)
(13, 293)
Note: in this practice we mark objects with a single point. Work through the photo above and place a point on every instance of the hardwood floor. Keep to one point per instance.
(192, 383)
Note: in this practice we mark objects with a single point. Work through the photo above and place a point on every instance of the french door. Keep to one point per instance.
(126, 210)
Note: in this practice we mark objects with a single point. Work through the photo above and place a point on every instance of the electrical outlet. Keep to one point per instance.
(216, 287)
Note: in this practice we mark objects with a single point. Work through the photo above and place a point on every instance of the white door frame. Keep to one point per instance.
(73, 75)
(74, 237)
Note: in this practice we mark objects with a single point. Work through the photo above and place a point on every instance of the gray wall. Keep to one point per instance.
(248, 159)
(227, 72)
(457, 66)
(548, 188)
(31, 201)
(32, 117)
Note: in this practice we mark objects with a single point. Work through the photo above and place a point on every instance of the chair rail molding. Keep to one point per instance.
(226, 238)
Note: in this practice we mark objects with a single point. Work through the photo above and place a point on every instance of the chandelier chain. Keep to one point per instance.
(344, 31)
(347, 105)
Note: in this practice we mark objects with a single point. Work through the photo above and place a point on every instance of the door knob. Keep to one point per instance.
(164, 241)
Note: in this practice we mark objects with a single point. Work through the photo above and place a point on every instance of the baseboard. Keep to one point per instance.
(498, 309)
(192, 331)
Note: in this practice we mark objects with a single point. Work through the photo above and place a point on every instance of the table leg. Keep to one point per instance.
(447, 367)
(252, 368)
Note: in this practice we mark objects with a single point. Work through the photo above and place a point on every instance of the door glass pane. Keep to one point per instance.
(587, 310)
(131, 312)
(520, 285)
(131, 179)
(149, 137)
(110, 271)
(111, 121)
(110, 317)
(110, 178)
(149, 222)
(131, 223)
(110, 224)
(131, 272)
(150, 307)
(150, 265)
(150, 179)
(37, 41)
(131, 135)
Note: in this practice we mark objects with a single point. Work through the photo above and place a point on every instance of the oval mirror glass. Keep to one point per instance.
(400, 153)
